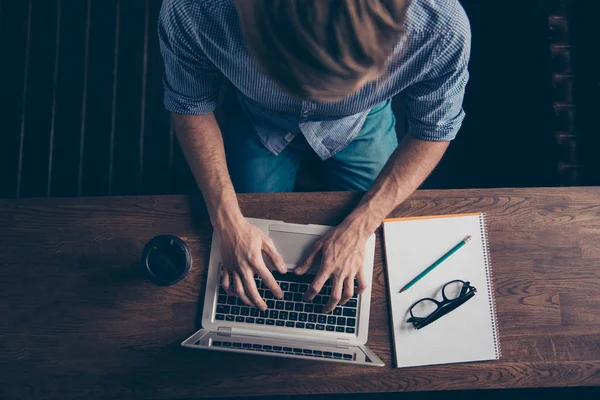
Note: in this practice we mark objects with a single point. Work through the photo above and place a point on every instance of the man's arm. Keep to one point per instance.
(202, 144)
(242, 243)
(434, 115)
(405, 171)
(192, 83)
(343, 247)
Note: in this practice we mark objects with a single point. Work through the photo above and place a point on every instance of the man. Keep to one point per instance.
(311, 76)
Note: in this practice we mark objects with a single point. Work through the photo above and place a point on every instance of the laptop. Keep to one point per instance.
(290, 327)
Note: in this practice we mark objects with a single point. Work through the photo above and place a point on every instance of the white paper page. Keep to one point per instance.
(466, 333)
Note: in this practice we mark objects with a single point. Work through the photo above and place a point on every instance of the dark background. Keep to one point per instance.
(81, 109)
(81, 100)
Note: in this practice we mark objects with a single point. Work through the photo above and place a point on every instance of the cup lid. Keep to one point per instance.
(166, 260)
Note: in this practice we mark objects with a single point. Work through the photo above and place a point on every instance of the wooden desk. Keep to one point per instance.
(80, 322)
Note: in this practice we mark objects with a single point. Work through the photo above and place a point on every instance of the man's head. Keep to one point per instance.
(322, 49)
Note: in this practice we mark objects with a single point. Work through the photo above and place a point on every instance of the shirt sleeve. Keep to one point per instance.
(191, 80)
(434, 105)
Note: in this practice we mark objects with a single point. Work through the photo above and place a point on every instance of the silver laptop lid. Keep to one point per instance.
(357, 355)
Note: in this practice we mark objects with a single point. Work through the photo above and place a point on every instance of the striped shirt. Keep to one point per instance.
(202, 44)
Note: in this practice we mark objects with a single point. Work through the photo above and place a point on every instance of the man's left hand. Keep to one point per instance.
(342, 252)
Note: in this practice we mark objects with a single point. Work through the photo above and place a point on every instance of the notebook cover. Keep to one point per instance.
(468, 333)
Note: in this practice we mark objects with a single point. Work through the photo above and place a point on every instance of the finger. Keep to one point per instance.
(267, 277)
(226, 282)
(271, 251)
(252, 291)
(336, 293)
(239, 290)
(348, 290)
(362, 282)
(308, 261)
(316, 285)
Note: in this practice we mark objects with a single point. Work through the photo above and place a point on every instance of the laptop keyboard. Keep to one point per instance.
(291, 311)
(297, 351)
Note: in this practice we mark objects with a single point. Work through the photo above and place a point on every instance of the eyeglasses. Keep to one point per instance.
(455, 294)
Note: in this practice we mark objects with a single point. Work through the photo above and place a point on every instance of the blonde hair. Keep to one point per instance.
(321, 49)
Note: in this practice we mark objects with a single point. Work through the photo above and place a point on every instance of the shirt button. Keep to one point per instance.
(289, 137)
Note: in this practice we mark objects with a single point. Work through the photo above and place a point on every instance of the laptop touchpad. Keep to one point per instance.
(293, 246)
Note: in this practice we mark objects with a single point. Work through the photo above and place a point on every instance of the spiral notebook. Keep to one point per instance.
(468, 333)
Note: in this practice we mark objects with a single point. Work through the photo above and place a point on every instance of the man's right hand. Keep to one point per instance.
(242, 247)
(242, 244)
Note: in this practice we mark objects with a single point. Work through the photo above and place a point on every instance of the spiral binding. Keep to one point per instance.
(490, 280)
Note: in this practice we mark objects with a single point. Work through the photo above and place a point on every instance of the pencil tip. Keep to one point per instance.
(468, 238)
(402, 290)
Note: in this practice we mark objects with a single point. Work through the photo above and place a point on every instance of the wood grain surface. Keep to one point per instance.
(79, 321)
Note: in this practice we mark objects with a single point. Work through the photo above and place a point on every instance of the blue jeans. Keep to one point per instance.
(254, 169)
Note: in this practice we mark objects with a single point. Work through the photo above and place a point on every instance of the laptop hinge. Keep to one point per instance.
(224, 331)
(342, 343)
